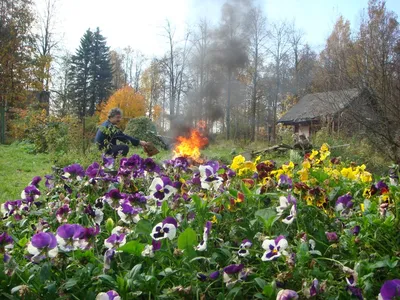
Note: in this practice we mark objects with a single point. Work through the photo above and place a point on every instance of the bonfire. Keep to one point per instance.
(190, 146)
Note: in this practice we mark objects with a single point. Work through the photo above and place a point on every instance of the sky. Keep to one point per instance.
(139, 23)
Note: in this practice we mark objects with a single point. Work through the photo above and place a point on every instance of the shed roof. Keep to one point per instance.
(314, 106)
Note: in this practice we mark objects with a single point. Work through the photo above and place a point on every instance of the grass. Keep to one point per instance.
(17, 168)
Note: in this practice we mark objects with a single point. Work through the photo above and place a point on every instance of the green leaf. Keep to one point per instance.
(198, 202)
(143, 227)
(22, 242)
(269, 290)
(71, 283)
(187, 239)
(132, 247)
(108, 280)
(135, 271)
(45, 272)
(234, 292)
(246, 190)
(260, 282)
(165, 209)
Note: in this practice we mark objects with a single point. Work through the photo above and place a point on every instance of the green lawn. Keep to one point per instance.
(17, 168)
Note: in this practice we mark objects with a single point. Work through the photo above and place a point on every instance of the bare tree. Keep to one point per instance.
(258, 33)
(279, 38)
(296, 40)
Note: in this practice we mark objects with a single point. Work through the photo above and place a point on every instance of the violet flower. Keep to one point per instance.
(243, 248)
(285, 182)
(161, 188)
(390, 290)
(49, 181)
(355, 291)
(63, 213)
(95, 213)
(165, 229)
(87, 238)
(35, 181)
(344, 203)
(150, 249)
(74, 171)
(110, 295)
(68, 237)
(42, 245)
(355, 230)
(287, 295)
(232, 269)
(209, 177)
(108, 256)
(115, 241)
(94, 170)
(214, 275)
(331, 236)
(6, 242)
(285, 203)
(30, 193)
(108, 162)
(150, 165)
(129, 214)
(113, 198)
(203, 244)
(274, 248)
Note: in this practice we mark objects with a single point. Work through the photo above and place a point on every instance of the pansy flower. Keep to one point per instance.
(121, 230)
(49, 183)
(115, 241)
(42, 245)
(203, 244)
(285, 182)
(351, 276)
(94, 170)
(114, 198)
(35, 181)
(165, 229)
(274, 248)
(63, 213)
(68, 236)
(87, 238)
(243, 248)
(108, 256)
(209, 177)
(110, 295)
(214, 275)
(150, 249)
(74, 171)
(95, 213)
(30, 193)
(331, 236)
(311, 291)
(108, 161)
(287, 295)
(16, 208)
(355, 291)
(230, 270)
(128, 213)
(390, 290)
(6, 242)
(149, 165)
(344, 203)
(161, 188)
(285, 203)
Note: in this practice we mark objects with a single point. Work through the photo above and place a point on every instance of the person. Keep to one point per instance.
(108, 134)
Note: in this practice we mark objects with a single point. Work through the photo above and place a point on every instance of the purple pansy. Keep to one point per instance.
(355, 230)
(42, 245)
(49, 181)
(285, 182)
(344, 203)
(87, 238)
(6, 242)
(331, 236)
(138, 197)
(161, 188)
(95, 213)
(202, 246)
(115, 241)
(214, 275)
(35, 181)
(108, 161)
(68, 236)
(390, 290)
(74, 171)
(128, 213)
(94, 170)
(110, 295)
(63, 213)
(209, 178)
(30, 193)
(351, 276)
(355, 291)
(287, 295)
(243, 248)
(274, 248)
(150, 165)
(284, 204)
(165, 229)
(232, 269)
(150, 249)
(114, 198)
(108, 256)
(16, 208)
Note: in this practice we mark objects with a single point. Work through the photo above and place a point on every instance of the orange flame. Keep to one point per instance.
(190, 146)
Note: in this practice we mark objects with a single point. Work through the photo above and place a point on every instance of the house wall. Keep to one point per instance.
(305, 130)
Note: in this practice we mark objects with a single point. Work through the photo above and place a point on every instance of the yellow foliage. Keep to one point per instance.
(131, 103)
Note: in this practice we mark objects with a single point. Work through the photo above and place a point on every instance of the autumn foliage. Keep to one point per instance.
(132, 104)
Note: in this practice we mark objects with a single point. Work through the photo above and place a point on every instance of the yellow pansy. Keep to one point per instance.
(348, 173)
(324, 147)
(214, 219)
(287, 168)
(366, 176)
(257, 159)
(324, 155)
(309, 199)
(249, 165)
(313, 154)
(367, 193)
(245, 172)
(362, 207)
(306, 164)
(237, 162)
(303, 174)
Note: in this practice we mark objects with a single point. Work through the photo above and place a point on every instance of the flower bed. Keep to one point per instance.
(322, 229)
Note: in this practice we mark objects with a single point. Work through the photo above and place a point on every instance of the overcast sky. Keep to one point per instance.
(139, 23)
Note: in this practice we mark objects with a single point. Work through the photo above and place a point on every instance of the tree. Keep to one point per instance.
(100, 72)
(119, 76)
(258, 34)
(151, 83)
(45, 44)
(279, 37)
(132, 104)
(62, 103)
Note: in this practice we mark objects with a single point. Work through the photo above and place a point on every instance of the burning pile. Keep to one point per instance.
(190, 146)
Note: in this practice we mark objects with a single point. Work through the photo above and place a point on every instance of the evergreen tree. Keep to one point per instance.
(100, 71)
(81, 74)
